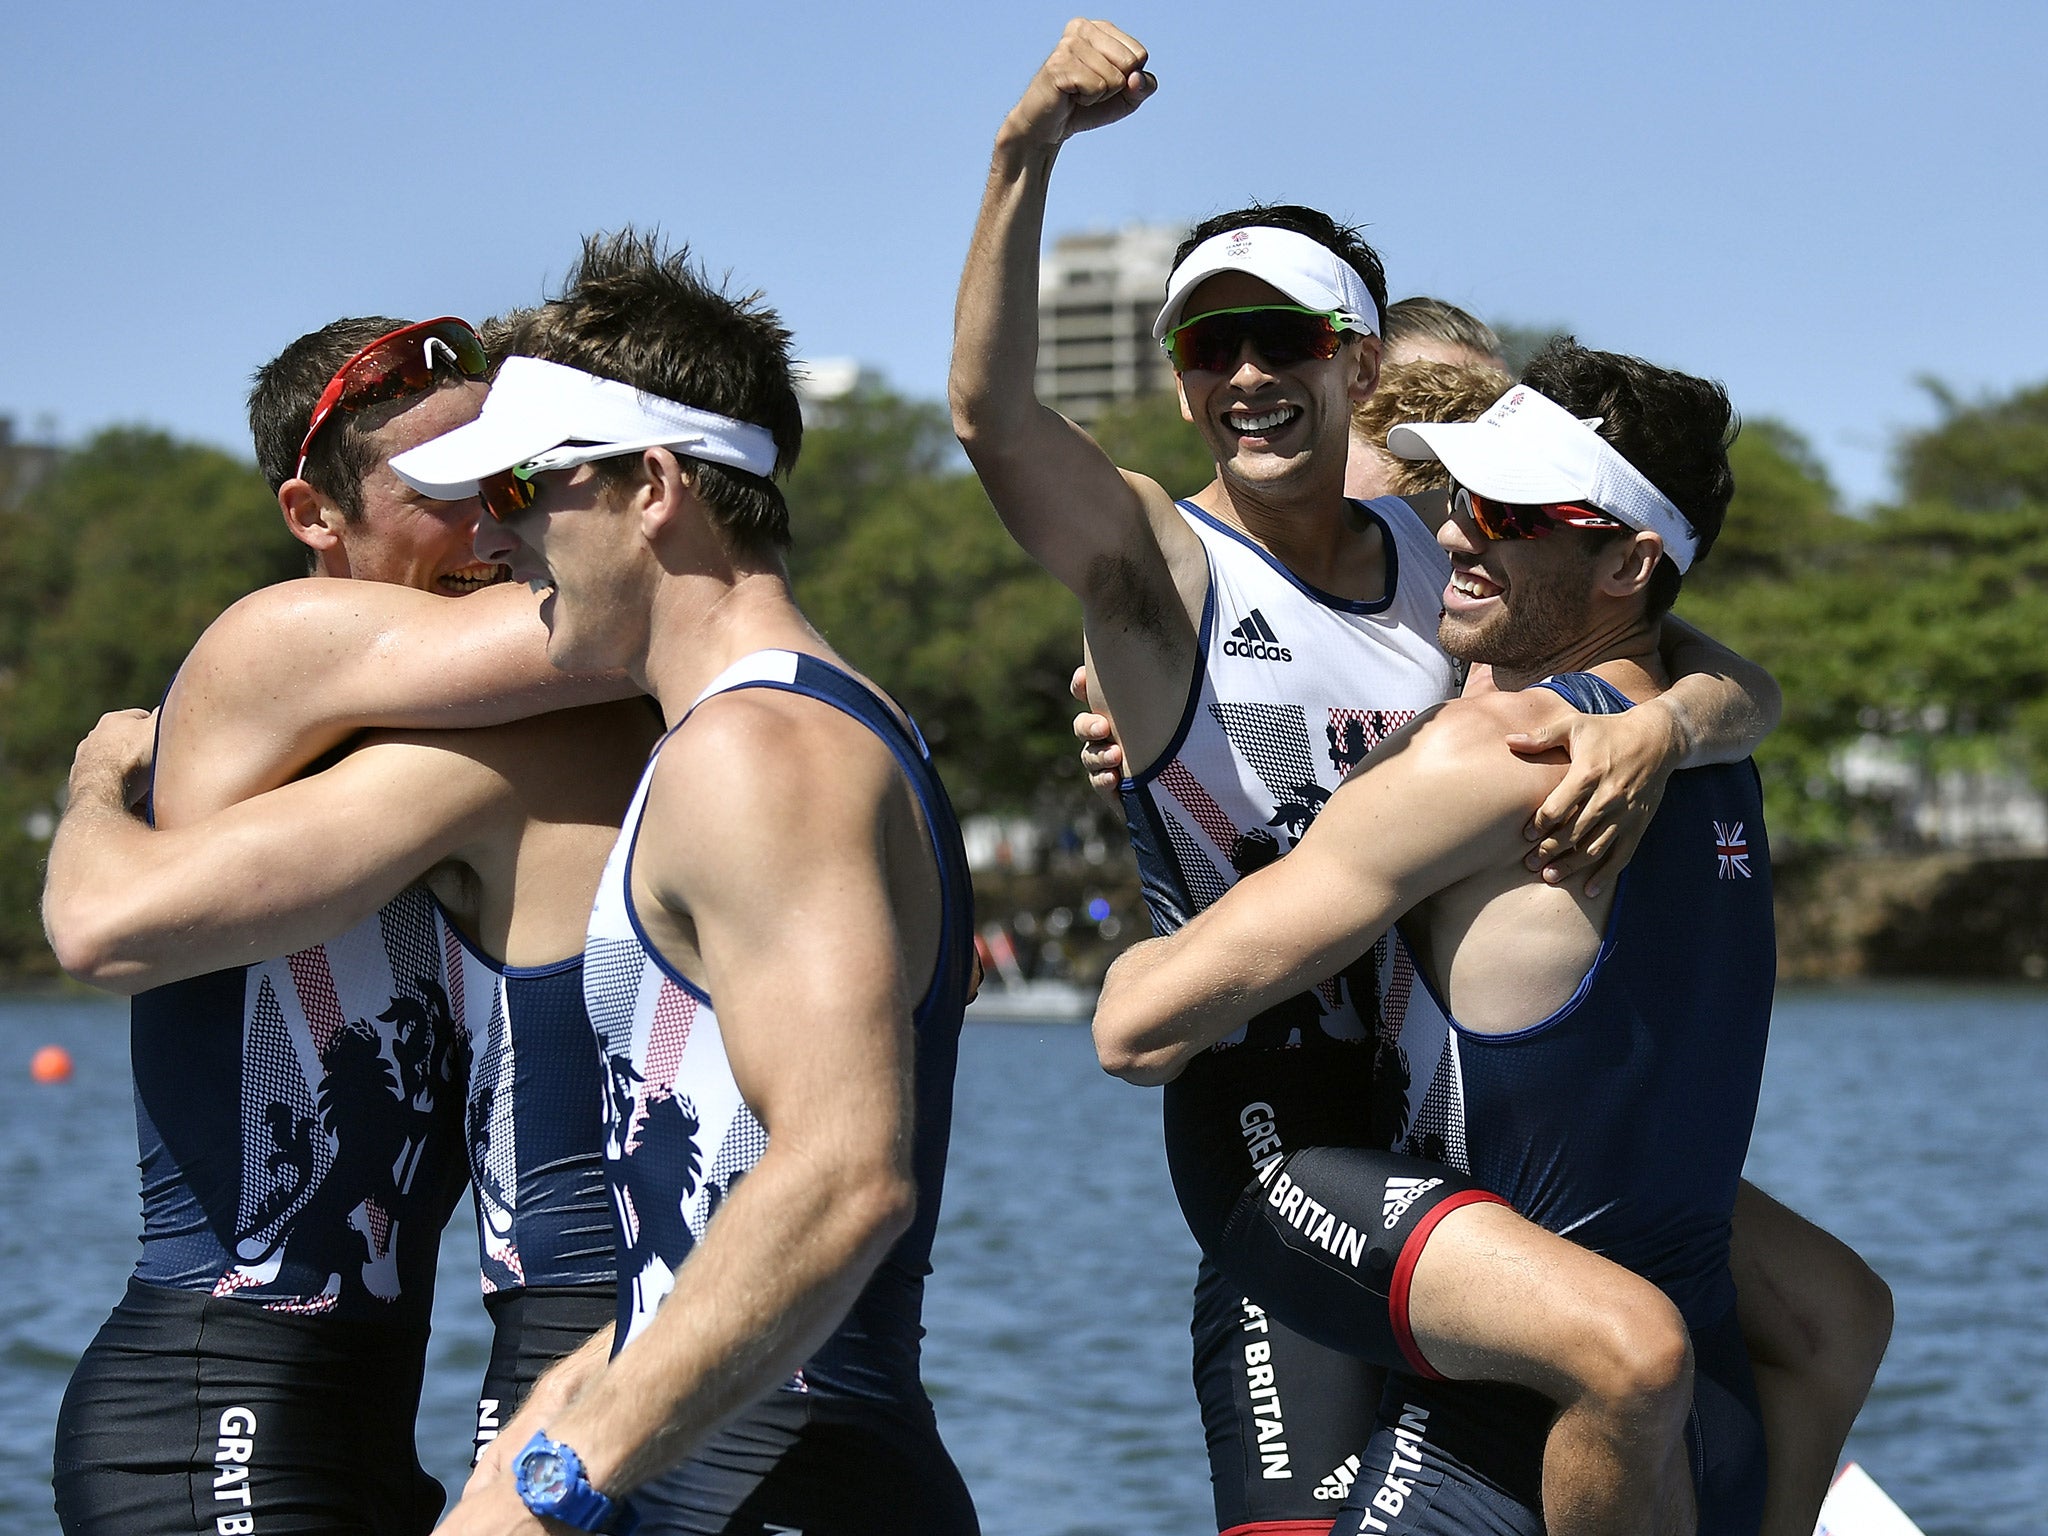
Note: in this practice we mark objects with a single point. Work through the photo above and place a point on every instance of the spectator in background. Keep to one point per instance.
(1426, 330)
(1465, 373)
(1414, 390)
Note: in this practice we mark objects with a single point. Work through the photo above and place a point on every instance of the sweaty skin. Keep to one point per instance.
(392, 632)
(289, 673)
(292, 673)
(508, 825)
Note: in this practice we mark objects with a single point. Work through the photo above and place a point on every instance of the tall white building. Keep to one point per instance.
(824, 384)
(1097, 295)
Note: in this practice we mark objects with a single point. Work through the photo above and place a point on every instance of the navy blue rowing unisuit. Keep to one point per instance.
(1621, 1121)
(300, 1125)
(534, 1129)
(679, 1135)
(300, 1122)
(534, 1124)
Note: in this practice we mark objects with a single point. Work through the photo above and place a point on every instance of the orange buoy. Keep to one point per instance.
(51, 1064)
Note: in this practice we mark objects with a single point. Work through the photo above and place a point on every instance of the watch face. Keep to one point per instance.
(543, 1476)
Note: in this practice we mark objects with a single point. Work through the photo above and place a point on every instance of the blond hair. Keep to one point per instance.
(1423, 392)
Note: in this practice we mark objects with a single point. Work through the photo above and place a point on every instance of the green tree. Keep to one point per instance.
(1785, 516)
(1149, 436)
(1987, 456)
(904, 566)
(1763, 591)
(109, 570)
(1924, 626)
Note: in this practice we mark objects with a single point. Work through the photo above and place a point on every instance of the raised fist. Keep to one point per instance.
(1095, 76)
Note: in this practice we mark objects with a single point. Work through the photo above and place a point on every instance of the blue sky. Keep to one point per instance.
(1817, 203)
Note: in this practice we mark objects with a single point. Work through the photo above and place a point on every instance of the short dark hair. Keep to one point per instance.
(634, 310)
(1674, 428)
(1345, 240)
(1427, 319)
(282, 395)
(497, 332)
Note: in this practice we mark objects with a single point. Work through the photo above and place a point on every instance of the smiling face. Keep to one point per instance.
(1269, 426)
(1517, 604)
(406, 538)
(578, 548)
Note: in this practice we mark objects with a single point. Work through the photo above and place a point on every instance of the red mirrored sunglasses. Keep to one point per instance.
(1525, 519)
(506, 494)
(396, 364)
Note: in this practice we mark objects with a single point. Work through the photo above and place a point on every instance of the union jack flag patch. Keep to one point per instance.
(1732, 849)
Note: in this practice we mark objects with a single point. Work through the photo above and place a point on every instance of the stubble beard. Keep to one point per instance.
(1539, 619)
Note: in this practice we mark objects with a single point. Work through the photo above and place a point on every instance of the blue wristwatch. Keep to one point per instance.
(550, 1480)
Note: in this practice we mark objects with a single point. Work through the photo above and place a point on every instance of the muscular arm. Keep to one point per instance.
(291, 672)
(1056, 491)
(128, 907)
(1115, 540)
(1426, 810)
(780, 871)
(1724, 705)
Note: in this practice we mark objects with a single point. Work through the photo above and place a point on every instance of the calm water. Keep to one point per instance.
(1910, 1122)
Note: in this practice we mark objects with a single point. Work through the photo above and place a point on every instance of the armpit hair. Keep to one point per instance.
(1121, 596)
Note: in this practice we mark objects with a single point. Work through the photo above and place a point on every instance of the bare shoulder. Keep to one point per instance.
(1456, 757)
(261, 633)
(1494, 714)
(319, 610)
(598, 733)
(569, 765)
(473, 765)
(271, 650)
(762, 765)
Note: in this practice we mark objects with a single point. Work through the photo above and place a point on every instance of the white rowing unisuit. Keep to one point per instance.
(1293, 687)
(679, 1133)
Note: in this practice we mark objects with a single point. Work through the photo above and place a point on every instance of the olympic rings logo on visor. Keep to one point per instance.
(1281, 334)
(1524, 519)
(395, 365)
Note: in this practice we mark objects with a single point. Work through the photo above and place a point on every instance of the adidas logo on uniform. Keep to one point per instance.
(1337, 1486)
(1255, 638)
(1401, 1194)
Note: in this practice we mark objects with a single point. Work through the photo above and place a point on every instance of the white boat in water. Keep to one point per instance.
(1039, 1000)
(1856, 1506)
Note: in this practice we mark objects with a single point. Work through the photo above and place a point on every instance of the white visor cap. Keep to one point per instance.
(1312, 275)
(1528, 448)
(535, 406)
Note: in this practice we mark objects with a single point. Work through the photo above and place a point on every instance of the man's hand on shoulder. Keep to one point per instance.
(110, 768)
(1595, 818)
(1094, 77)
(1439, 801)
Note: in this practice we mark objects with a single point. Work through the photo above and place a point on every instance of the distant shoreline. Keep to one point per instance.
(1927, 916)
